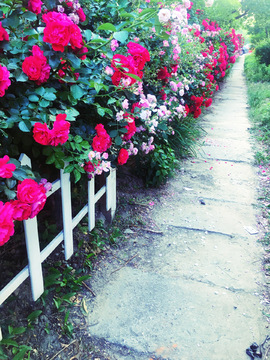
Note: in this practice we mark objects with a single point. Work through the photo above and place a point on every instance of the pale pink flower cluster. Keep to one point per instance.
(146, 148)
(114, 44)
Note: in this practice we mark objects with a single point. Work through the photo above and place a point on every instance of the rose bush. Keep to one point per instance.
(76, 89)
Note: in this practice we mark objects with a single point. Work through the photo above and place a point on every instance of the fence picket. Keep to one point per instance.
(35, 257)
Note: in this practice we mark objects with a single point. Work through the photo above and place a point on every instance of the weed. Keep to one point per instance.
(67, 327)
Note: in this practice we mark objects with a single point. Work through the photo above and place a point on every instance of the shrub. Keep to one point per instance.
(262, 52)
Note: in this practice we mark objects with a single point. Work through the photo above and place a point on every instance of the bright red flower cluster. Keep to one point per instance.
(31, 198)
(60, 31)
(35, 6)
(131, 128)
(102, 141)
(3, 33)
(6, 170)
(132, 64)
(58, 134)
(122, 156)
(4, 80)
(36, 67)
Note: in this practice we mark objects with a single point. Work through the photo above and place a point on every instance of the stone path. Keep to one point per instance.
(195, 292)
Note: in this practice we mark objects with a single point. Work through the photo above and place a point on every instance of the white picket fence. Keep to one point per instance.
(35, 256)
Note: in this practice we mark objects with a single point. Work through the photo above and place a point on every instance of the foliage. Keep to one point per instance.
(262, 52)
(105, 89)
(159, 166)
(255, 71)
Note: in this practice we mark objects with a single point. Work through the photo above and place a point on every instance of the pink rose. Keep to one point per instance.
(6, 222)
(35, 6)
(21, 210)
(60, 130)
(6, 170)
(122, 156)
(3, 34)
(4, 80)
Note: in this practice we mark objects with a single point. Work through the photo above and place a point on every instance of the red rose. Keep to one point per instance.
(101, 143)
(6, 222)
(22, 210)
(57, 30)
(89, 167)
(208, 102)
(80, 52)
(6, 170)
(76, 40)
(121, 62)
(197, 113)
(28, 191)
(3, 34)
(163, 74)
(35, 6)
(139, 53)
(60, 130)
(131, 129)
(38, 205)
(4, 80)
(81, 15)
(100, 130)
(122, 156)
(42, 134)
(31, 66)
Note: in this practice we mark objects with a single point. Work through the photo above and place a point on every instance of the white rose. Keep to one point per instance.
(164, 15)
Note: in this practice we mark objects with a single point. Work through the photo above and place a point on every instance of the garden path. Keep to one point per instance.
(192, 292)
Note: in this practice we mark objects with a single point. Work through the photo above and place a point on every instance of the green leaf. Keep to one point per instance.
(40, 91)
(147, 11)
(162, 126)
(33, 98)
(88, 35)
(134, 76)
(100, 111)
(71, 114)
(50, 159)
(21, 354)
(121, 36)
(113, 133)
(48, 150)
(76, 91)
(59, 164)
(85, 144)
(118, 140)
(69, 168)
(123, 130)
(49, 96)
(10, 194)
(75, 61)
(111, 101)
(25, 126)
(77, 175)
(44, 103)
(98, 87)
(125, 14)
(34, 315)
(20, 76)
(107, 26)
(29, 16)
(78, 139)
(9, 342)
(19, 174)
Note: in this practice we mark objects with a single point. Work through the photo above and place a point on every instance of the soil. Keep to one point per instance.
(46, 335)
